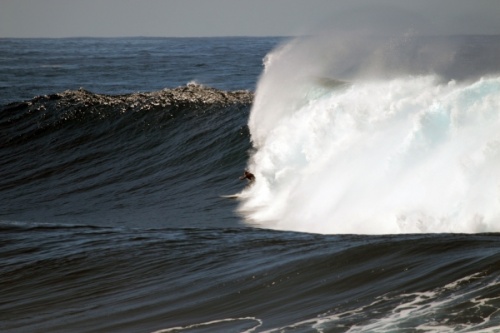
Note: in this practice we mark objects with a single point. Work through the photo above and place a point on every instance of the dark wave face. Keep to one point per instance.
(133, 159)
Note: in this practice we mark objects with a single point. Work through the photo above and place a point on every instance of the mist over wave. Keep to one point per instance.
(377, 136)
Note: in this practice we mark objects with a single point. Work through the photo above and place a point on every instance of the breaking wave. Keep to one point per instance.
(398, 152)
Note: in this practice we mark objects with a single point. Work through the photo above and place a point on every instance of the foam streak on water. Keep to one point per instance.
(405, 154)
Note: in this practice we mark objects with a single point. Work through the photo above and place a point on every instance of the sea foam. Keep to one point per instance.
(404, 153)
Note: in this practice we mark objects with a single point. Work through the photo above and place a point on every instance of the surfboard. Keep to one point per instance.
(230, 196)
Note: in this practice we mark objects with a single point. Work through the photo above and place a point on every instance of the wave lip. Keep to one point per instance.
(191, 94)
(24, 120)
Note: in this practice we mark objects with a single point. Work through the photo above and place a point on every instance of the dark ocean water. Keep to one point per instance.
(114, 155)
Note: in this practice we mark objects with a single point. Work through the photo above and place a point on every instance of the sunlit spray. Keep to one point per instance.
(344, 144)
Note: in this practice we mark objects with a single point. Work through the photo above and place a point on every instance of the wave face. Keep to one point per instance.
(135, 159)
(382, 151)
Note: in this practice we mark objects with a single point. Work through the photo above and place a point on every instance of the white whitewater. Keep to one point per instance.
(401, 153)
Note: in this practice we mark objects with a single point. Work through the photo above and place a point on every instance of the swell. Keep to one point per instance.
(79, 153)
(128, 280)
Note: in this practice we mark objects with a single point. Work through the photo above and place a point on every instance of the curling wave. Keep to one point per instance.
(400, 154)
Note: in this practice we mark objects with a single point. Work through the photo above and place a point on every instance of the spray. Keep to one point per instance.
(346, 143)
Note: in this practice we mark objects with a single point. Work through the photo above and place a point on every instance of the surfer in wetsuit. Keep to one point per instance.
(248, 176)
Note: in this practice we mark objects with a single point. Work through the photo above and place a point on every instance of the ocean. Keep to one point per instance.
(375, 205)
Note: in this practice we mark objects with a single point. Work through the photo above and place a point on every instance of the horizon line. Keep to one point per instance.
(224, 36)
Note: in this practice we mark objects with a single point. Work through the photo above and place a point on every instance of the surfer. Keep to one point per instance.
(248, 176)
